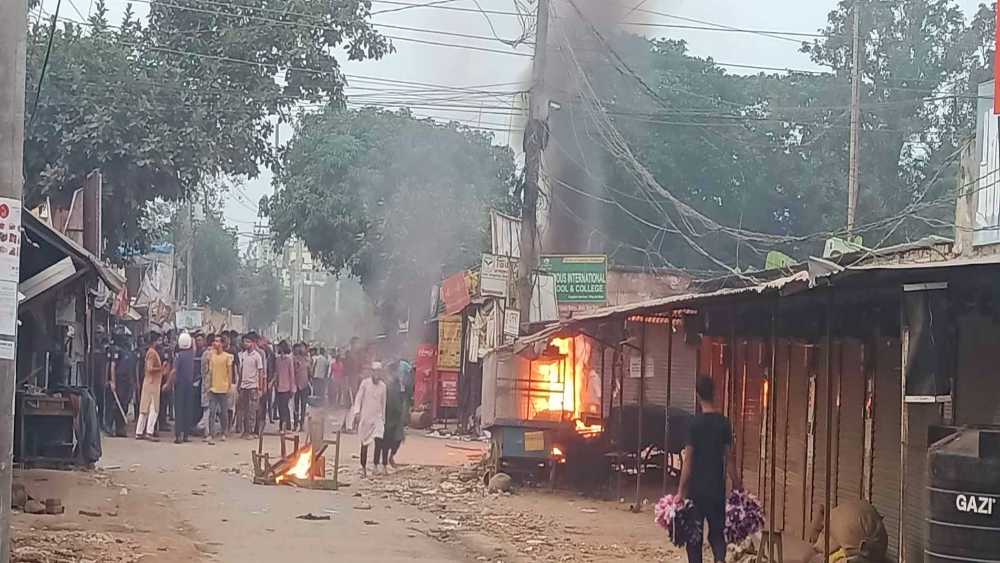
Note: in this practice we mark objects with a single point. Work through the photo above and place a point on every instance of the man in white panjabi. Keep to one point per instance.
(369, 416)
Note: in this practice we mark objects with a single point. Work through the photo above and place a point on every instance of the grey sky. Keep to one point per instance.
(458, 67)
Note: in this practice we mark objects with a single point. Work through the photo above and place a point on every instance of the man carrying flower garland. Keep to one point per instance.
(703, 474)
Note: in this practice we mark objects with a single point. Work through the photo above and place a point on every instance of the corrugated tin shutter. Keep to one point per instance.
(819, 481)
(850, 449)
(684, 374)
(885, 463)
(919, 418)
(782, 383)
(795, 500)
(975, 394)
(752, 414)
(656, 352)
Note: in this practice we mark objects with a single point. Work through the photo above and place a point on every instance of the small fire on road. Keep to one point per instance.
(300, 469)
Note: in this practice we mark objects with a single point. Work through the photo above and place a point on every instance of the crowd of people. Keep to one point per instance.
(218, 385)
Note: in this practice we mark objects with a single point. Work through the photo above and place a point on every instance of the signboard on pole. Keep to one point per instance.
(511, 325)
(579, 279)
(495, 275)
(10, 268)
(448, 389)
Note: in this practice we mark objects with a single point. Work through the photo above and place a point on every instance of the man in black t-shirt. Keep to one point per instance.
(703, 475)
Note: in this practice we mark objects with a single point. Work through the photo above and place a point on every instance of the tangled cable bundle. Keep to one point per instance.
(677, 518)
(744, 516)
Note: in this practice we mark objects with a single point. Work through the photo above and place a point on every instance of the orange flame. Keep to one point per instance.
(301, 468)
(563, 383)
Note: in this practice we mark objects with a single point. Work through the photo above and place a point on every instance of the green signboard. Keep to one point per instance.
(579, 279)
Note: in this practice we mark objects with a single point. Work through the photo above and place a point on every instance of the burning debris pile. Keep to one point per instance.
(462, 506)
(302, 466)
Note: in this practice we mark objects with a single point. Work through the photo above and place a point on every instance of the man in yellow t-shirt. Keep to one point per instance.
(220, 369)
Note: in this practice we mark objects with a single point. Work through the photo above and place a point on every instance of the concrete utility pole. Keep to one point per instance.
(536, 136)
(855, 160)
(189, 258)
(13, 27)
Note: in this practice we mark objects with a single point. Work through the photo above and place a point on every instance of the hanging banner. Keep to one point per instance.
(579, 279)
(455, 293)
(449, 343)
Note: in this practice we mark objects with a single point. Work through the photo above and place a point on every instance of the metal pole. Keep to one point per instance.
(855, 161)
(829, 423)
(13, 27)
(189, 274)
(642, 409)
(666, 409)
(535, 136)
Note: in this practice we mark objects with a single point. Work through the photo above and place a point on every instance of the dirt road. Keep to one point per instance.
(167, 502)
(161, 502)
(232, 519)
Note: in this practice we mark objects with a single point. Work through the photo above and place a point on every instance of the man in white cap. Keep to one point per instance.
(183, 388)
(369, 417)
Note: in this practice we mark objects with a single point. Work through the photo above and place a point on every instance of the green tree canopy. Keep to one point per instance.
(739, 157)
(165, 106)
(393, 199)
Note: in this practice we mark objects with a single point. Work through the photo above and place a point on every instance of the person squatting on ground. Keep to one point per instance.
(183, 388)
(368, 415)
(251, 372)
(703, 475)
(149, 399)
(220, 375)
(284, 366)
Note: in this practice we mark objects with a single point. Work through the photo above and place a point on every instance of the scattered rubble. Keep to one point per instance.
(47, 546)
(462, 505)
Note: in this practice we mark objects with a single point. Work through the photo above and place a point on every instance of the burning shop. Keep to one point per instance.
(542, 397)
(571, 402)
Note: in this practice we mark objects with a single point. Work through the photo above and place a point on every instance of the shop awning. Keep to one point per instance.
(797, 281)
(38, 228)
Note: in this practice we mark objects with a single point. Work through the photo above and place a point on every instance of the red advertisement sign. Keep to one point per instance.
(448, 389)
(455, 293)
(423, 368)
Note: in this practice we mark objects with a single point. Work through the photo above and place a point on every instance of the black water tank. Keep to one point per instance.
(963, 520)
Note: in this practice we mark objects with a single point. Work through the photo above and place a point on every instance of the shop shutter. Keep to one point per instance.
(684, 374)
(819, 470)
(885, 462)
(780, 425)
(851, 425)
(656, 373)
(920, 418)
(975, 395)
(794, 493)
(752, 415)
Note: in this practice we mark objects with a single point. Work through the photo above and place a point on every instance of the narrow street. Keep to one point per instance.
(182, 502)
(161, 502)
